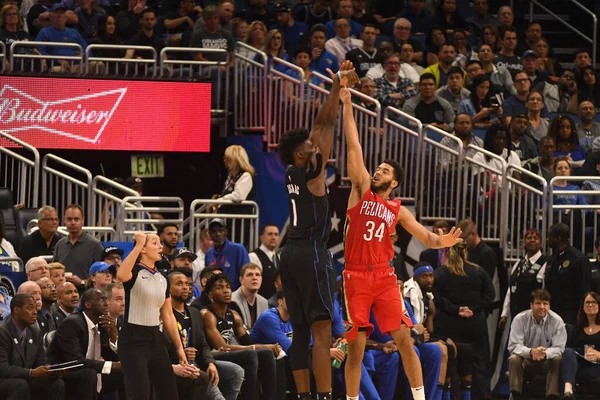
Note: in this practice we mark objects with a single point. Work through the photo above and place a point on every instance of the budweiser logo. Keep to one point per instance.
(81, 117)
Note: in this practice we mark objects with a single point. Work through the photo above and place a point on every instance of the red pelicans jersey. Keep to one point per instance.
(369, 225)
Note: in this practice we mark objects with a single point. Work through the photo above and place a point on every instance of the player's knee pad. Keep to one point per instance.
(299, 348)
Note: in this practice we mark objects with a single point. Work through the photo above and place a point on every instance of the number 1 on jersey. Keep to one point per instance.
(294, 213)
(368, 236)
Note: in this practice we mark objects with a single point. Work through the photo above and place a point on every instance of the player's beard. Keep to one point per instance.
(381, 188)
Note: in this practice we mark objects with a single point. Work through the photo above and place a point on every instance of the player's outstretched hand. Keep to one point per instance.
(346, 96)
(452, 238)
(346, 74)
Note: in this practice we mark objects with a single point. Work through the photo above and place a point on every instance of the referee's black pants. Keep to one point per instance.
(145, 362)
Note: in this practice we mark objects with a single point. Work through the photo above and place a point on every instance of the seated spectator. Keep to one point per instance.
(407, 52)
(497, 141)
(46, 320)
(182, 261)
(517, 104)
(402, 32)
(529, 60)
(385, 48)
(203, 301)
(274, 47)
(23, 371)
(42, 241)
(293, 32)
(360, 14)
(225, 331)
(506, 57)
(113, 256)
(537, 342)
(79, 250)
(520, 142)
(38, 17)
(506, 18)
(464, 53)
(562, 129)
(473, 68)
(11, 29)
(436, 257)
(499, 76)
(446, 57)
(448, 18)
(267, 259)
(364, 58)
(491, 37)
(226, 255)
(226, 13)
(257, 32)
(115, 294)
(433, 44)
(190, 384)
(462, 293)
(342, 43)
(180, 20)
(36, 268)
(315, 13)
(6, 250)
(567, 273)
(101, 275)
(463, 129)
(247, 298)
(427, 107)
(587, 128)
(482, 106)
(5, 300)
(545, 61)
(88, 14)
(583, 58)
(344, 9)
(321, 58)
(581, 359)
(589, 88)
(537, 126)
(366, 87)
(391, 90)
(272, 301)
(66, 303)
(146, 36)
(543, 165)
(454, 92)
(526, 275)
(240, 29)
(481, 18)
(80, 336)
(309, 98)
(128, 21)
(562, 96)
(205, 243)
(419, 18)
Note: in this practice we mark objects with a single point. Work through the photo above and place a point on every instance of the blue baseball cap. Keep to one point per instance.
(100, 266)
(58, 6)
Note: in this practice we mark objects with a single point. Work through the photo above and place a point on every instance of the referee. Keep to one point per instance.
(142, 347)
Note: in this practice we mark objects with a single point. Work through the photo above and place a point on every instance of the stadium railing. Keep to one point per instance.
(20, 172)
(119, 66)
(250, 90)
(440, 171)
(582, 219)
(64, 183)
(34, 62)
(2, 57)
(404, 144)
(243, 226)
(136, 216)
(526, 199)
(106, 201)
(102, 233)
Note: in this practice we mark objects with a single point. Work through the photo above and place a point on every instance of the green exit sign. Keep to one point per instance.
(148, 166)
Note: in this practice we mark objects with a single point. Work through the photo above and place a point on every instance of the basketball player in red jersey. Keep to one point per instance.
(369, 280)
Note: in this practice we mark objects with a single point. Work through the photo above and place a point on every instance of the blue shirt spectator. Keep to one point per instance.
(72, 4)
(270, 328)
(355, 29)
(230, 259)
(58, 32)
(513, 105)
(4, 305)
(326, 60)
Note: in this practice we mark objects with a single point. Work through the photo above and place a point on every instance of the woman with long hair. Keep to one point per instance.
(11, 30)
(479, 106)
(491, 36)
(101, 275)
(239, 185)
(545, 62)
(143, 352)
(462, 294)
(255, 38)
(589, 88)
(537, 126)
(274, 47)
(581, 358)
(562, 129)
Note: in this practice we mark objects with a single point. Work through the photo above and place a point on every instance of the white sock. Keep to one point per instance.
(351, 397)
(418, 393)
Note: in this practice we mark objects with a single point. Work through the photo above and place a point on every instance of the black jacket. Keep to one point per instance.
(13, 362)
(57, 313)
(71, 342)
(204, 354)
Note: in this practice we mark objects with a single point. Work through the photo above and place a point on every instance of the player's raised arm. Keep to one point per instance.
(358, 174)
(321, 134)
(428, 238)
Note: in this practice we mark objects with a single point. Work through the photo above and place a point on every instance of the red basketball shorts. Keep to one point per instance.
(367, 289)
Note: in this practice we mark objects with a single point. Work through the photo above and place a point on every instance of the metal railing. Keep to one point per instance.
(2, 57)
(440, 172)
(20, 169)
(26, 62)
(242, 227)
(17, 264)
(135, 215)
(404, 145)
(106, 201)
(64, 183)
(592, 40)
(132, 67)
(102, 233)
(250, 90)
(286, 98)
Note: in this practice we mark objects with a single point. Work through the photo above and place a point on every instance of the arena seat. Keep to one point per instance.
(24, 216)
(7, 213)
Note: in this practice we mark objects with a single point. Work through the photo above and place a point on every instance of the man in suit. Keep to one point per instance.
(68, 300)
(89, 336)
(247, 298)
(436, 257)
(23, 373)
(267, 259)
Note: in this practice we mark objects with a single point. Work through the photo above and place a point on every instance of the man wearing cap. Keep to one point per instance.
(293, 31)
(101, 274)
(267, 259)
(226, 255)
(66, 303)
(183, 258)
(113, 255)
(530, 66)
(520, 142)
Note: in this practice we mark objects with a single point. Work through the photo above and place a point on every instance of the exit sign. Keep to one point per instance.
(148, 166)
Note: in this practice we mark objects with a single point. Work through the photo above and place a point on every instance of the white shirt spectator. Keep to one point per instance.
(526, 334)
(414, 295)
(241, 189)
(406, 71)
(339, 47)
(10, 250)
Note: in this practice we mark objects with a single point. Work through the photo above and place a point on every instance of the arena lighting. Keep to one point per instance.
(106, 114)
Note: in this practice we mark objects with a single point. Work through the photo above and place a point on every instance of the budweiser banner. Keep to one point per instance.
(99, 114)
